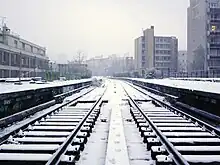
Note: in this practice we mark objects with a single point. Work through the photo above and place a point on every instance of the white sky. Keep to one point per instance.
(98, 27)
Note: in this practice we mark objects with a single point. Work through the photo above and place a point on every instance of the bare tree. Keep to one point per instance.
(80, 57)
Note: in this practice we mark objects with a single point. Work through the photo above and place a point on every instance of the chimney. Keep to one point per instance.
(5, 29)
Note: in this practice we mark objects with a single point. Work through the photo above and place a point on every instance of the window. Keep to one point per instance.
(22, 61)
(3, 73)
(143, 58)
(157, 51)
(16, 43)
(213, 5)
(23, 45)
(31, 49)
(14, 58)
(4, 57)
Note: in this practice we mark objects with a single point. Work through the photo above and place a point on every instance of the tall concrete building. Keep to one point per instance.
(182, 61)
(155, 52)
(203, 35)
(20, 56)
(139, 59)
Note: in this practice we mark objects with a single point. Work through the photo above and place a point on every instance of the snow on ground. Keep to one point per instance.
(11, 87)
(206, 86)
(16, 125)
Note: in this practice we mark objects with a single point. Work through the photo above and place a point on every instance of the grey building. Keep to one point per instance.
(20, 56)
(139, 59)
(182, 61)
(203, 35)
(108, 66)
(155, 52)
(129, 64)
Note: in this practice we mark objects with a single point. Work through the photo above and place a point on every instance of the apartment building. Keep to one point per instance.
(203, 36)
(20, 57)
(182, 61)
(155, 52)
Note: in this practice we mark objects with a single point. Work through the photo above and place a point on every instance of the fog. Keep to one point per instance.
(97, 27)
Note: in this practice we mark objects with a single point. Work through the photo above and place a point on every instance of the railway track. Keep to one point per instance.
(56, 137)
(117, 124)
(172, 136)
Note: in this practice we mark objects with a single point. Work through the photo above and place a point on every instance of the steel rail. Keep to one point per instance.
(203, 124)
(177, 157)
(31, 121)
(56, 158)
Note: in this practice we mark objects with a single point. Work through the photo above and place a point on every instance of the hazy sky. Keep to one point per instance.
(95, 26)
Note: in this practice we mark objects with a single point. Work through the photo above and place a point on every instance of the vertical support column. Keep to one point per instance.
(9, 61)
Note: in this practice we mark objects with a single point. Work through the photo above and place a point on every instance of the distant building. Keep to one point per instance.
(18, 54)
(73, 70)
(155, 52)
(166, 52)
(54, 67)
(129, 64)
(182, 61)
(108, 66)
(140, 58)
(203, 35)
(98, 65)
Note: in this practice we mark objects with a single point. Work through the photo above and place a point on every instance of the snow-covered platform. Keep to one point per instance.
(10, 87)
(198, 79)
(204, 85)
(204, 94)
(16, 98)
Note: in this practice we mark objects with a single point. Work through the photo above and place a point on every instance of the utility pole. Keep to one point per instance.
(20, 69)
(35, 66)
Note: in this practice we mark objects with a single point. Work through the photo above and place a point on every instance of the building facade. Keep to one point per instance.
(20, 57)
(99, 65)
(155, 52)
(203, 35)
(182, 61)
(73, 70)
(139, 59)
(108, 66)
(129, 64)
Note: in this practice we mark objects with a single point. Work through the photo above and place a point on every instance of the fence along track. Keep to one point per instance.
(55, 137)
(174, 138)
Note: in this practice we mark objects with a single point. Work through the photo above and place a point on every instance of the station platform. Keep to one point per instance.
(16, 98)
(204, 95)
